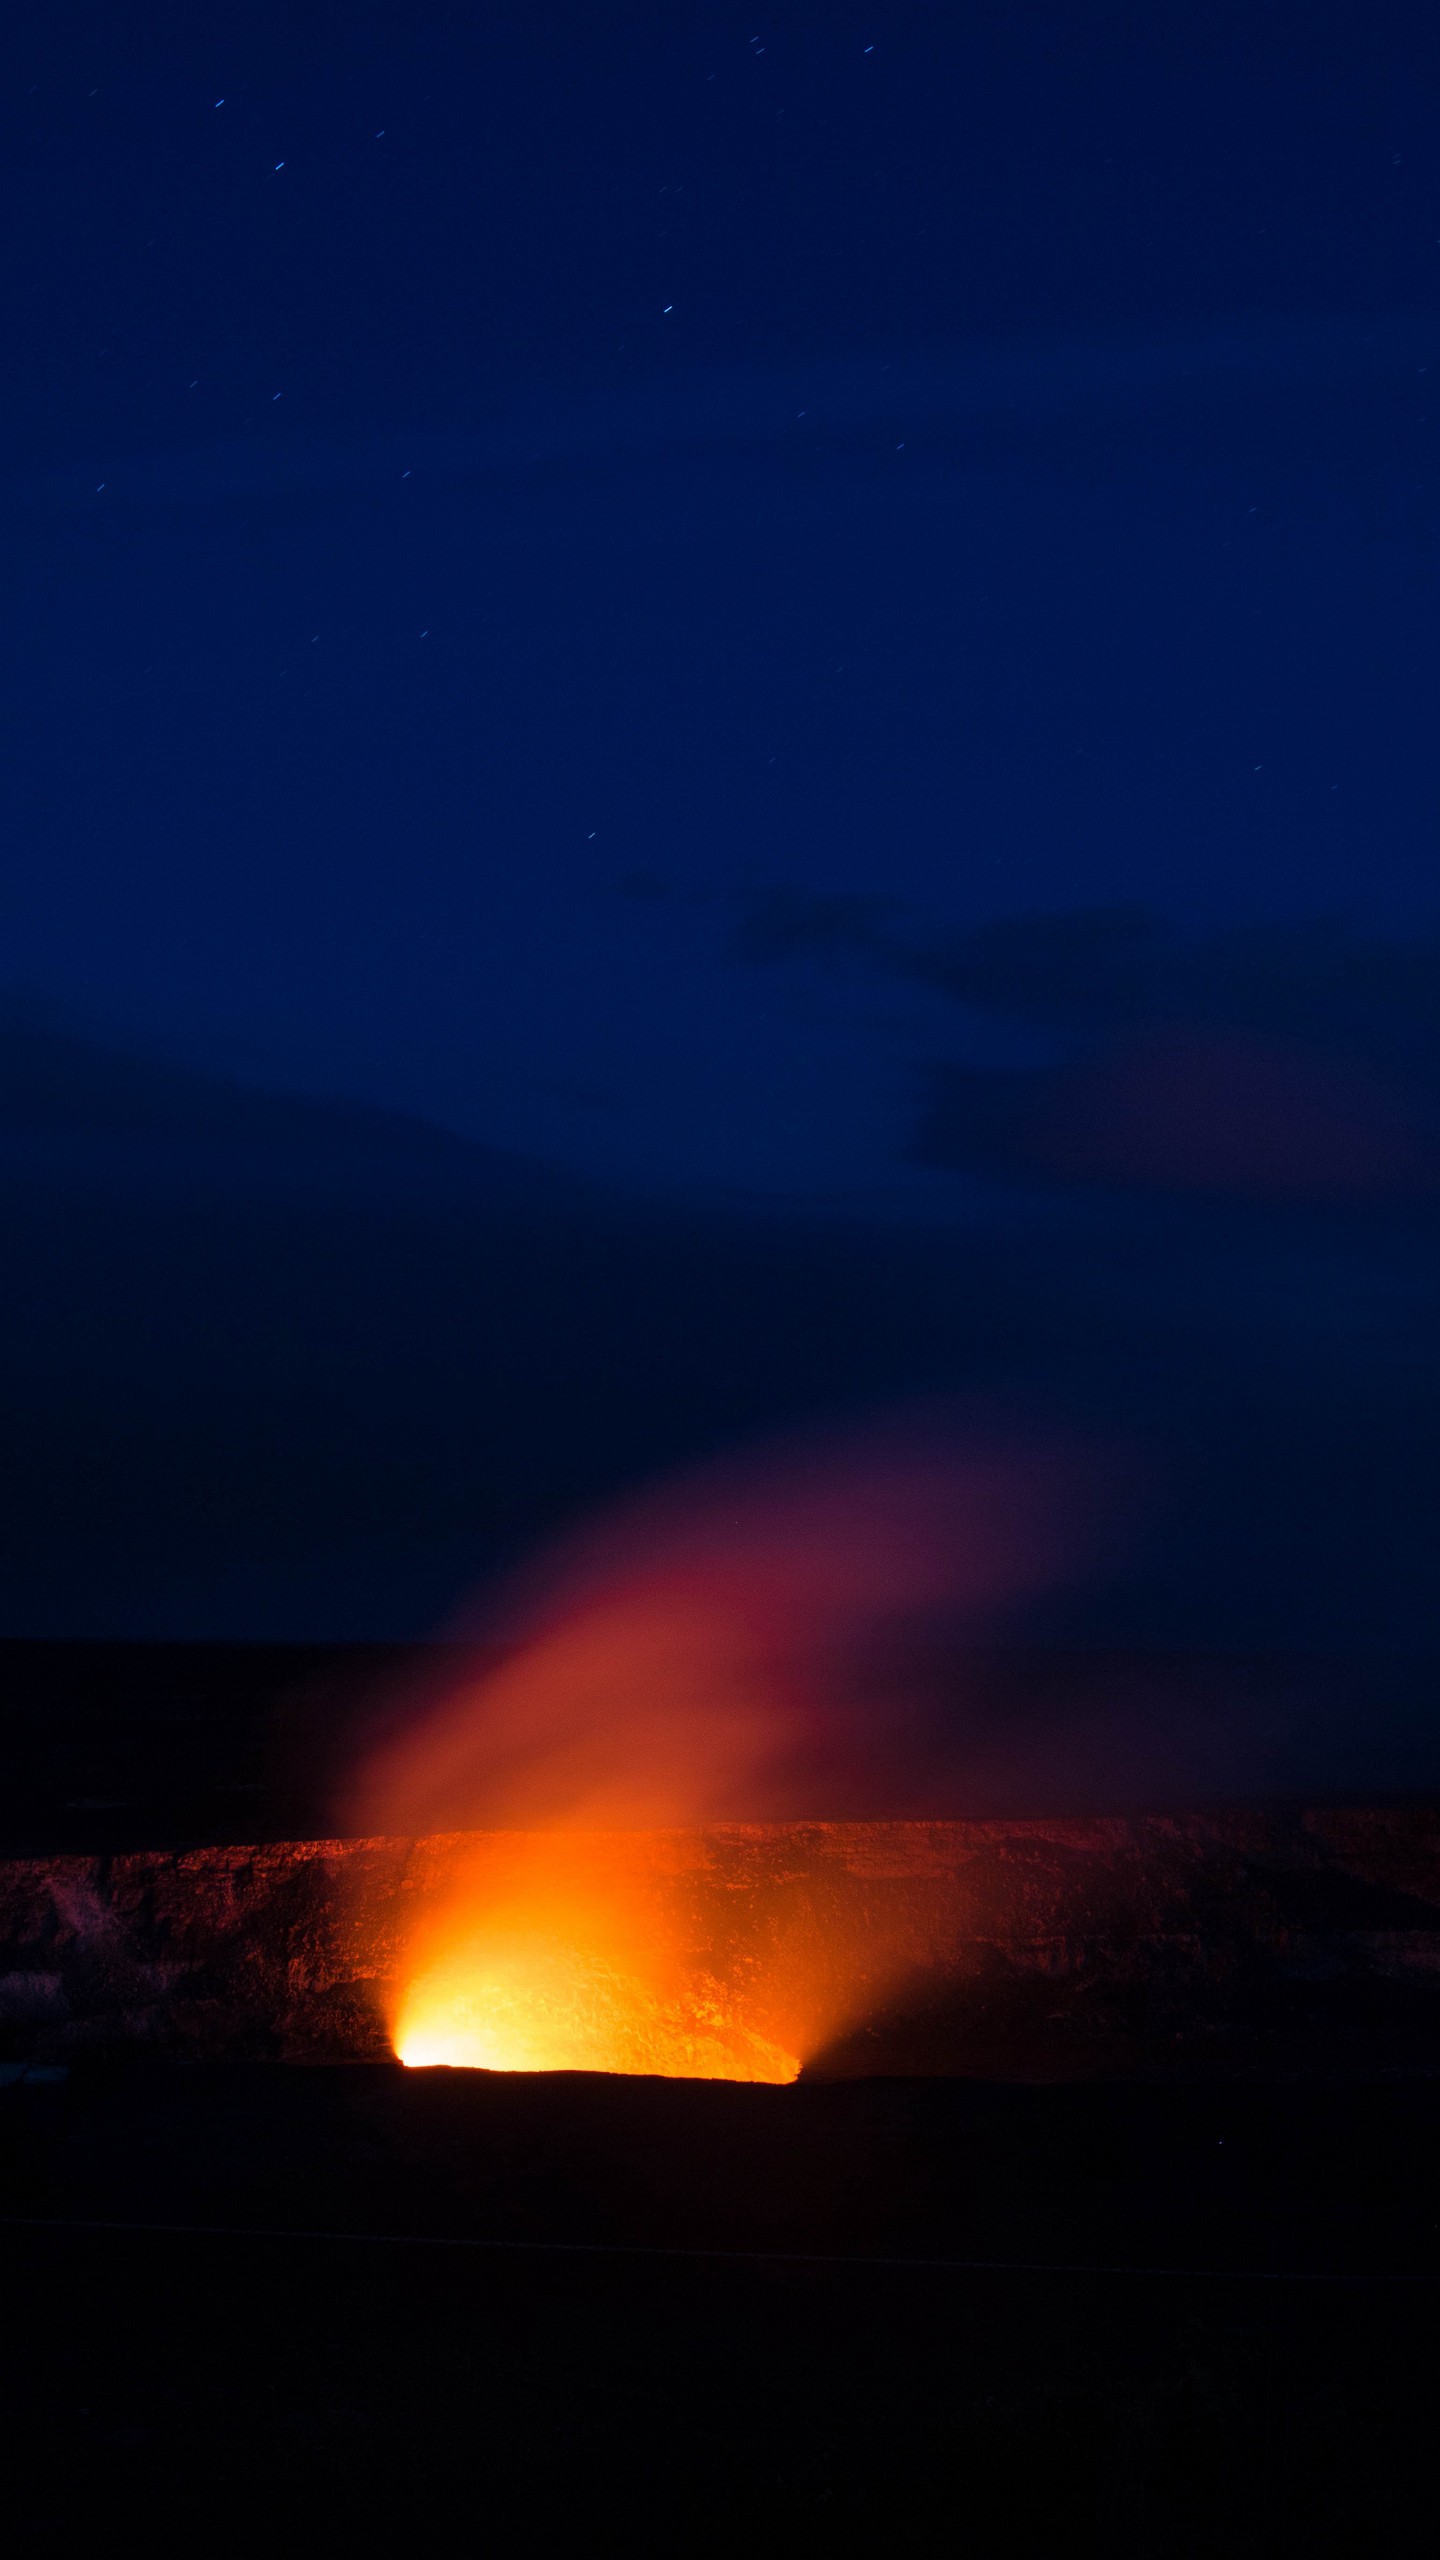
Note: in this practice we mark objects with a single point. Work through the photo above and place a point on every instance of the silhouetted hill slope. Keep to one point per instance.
(84, 1110)
(276, 1365)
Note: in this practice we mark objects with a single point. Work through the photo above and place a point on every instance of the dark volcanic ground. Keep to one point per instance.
(144, 1746)
(381, 2308)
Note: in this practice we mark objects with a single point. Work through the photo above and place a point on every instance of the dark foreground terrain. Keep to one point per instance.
(376, 2308)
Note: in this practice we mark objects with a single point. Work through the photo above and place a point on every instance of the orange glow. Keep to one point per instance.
(573, 1952)
(525, 2001)
(739, 1647)
(533, 1991)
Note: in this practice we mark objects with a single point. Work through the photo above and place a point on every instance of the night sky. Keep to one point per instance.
(709, 716)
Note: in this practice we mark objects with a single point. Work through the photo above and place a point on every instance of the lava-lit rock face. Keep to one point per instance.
(1248, 1939)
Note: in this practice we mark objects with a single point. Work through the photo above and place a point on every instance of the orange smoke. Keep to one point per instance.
(740, 1645)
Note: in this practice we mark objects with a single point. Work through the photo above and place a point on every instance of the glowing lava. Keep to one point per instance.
(551, 1953)
(534, 2001)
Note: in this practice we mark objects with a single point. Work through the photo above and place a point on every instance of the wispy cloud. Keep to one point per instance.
(796, 409)
(1292, 1060)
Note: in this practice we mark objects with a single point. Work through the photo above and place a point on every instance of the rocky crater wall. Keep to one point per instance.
(1298, 1940)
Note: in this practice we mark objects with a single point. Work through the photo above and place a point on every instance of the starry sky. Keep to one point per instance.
(734, 632)
(492, 494)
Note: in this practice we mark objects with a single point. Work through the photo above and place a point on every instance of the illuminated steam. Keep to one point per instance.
(740, 1643)
(743, 1644)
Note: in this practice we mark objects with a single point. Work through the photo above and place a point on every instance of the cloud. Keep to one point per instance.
(797, 409)
(1191, 1109)
(1292, 1060)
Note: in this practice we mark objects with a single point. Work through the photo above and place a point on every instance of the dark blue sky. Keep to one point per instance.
(498, 491)
(709, 715)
